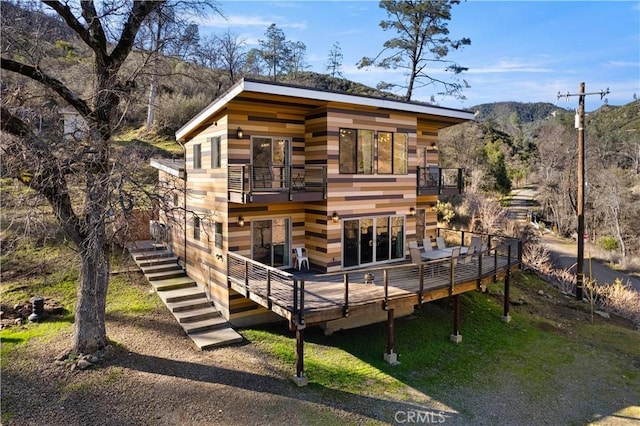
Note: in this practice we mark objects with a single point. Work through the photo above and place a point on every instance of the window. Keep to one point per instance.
(196, 228)
(348, 150)
(385, 149)
(357, 148)
(216, 162)
(197, 156)
(218, 234)
(175, 199)
(365, 152)
(400, 153)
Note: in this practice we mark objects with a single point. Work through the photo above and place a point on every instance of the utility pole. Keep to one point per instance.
(581, 235)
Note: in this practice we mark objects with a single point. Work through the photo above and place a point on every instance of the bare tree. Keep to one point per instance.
(422, 30)
(49, 166)
(232, 54)
(169, 32)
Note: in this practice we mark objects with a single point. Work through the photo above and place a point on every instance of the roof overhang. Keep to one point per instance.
(172, 167)
(267, 88)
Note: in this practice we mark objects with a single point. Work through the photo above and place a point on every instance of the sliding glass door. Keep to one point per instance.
(271, 242)
(372, 240)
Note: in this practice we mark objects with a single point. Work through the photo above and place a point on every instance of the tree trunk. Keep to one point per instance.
(90, 332)
(152, 99)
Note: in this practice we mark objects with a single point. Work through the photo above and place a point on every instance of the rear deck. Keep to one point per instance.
(307, 299)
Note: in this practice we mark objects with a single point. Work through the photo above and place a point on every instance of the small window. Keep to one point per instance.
(218, 234)
(216, 162)
(196, 228)
(176, 201)
(197, 156)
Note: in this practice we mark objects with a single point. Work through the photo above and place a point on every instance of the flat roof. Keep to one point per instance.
(293, 91)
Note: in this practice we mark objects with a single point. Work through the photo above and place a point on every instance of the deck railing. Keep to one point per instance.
(250, 179)
(278, 289)
(433, 179)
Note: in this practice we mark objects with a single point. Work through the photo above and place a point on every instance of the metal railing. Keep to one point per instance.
(250, 179)
(278, 288)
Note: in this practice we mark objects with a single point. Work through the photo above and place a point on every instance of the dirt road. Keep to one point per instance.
(564, 251)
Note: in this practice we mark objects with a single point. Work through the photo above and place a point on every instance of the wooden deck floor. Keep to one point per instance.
(315, 298)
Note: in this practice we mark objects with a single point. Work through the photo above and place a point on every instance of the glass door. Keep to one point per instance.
(270, 161)
(270, 240)
(372, 240)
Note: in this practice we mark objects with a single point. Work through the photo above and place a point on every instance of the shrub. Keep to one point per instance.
(609, 243)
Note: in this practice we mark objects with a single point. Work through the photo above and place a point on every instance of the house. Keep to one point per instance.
(273, 167)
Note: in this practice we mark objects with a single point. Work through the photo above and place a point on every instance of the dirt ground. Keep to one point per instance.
(156, 376)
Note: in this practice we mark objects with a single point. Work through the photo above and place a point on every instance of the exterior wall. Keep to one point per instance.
(314, 135)
(206, 200)
(427, 139)
(356, 195)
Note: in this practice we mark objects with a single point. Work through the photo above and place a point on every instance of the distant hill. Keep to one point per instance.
(527, 112)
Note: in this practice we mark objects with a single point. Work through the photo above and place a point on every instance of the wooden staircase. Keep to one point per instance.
(187, 301)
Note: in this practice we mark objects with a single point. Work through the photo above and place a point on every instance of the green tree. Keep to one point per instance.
(420, 47)
(275, 51)
(334, 61)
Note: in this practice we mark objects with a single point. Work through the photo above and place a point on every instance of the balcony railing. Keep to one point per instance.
(248, 183)
(433, 180)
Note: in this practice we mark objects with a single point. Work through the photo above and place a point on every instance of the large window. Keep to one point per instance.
(357, 148)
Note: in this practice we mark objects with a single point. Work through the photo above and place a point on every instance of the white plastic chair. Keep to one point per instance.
(301, 258)
(426, 243)
(440, 243)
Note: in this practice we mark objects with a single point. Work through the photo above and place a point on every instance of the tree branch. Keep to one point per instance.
(56, 85)
(64, 11)
(29, 160)
(139, 12)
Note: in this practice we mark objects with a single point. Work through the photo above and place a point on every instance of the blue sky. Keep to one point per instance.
(522, 51)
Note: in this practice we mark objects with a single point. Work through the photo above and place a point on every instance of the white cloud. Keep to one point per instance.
(217, 21)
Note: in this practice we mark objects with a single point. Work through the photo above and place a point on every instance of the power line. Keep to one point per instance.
(581, 234)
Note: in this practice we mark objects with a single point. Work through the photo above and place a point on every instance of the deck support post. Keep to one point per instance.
(456, 337)
(505, 316)
(390, 356)
(300, 379)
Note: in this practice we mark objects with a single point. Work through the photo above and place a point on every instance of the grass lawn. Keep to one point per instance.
(550, 363)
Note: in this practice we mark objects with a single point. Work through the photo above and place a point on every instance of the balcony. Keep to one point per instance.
(433, 180)
(247, 183)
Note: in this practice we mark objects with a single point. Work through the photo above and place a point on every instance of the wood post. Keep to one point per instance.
(300, 379)
(505, 316)
(456, 337)
(389, 355)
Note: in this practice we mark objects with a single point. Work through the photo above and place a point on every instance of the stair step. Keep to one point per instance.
(171, 267)
(204, 325)
(165, 275)
(195, 315)
(154, 254)
(214, 338)
(173, 283)
(181, 294)
(157, 261)
(188, 305)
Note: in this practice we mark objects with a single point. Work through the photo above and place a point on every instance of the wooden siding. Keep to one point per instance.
(313, 131)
